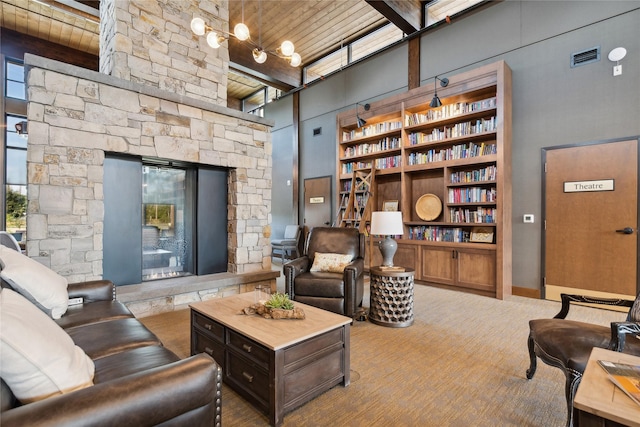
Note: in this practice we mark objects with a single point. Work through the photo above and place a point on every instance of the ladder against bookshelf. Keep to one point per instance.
(459, 152)
(355, 204)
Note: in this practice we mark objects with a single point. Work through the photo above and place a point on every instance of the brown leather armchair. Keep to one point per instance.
(567, 344)
(338, 292)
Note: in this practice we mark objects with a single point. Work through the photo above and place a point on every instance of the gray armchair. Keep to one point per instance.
(341, 293)
(289, 243)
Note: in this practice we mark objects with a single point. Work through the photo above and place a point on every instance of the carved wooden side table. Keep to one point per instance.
(391, 297)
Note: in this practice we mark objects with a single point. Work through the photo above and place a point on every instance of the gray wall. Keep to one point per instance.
(282, 212)
(553, 104)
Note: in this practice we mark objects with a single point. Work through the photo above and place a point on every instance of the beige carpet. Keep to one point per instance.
(462, 363)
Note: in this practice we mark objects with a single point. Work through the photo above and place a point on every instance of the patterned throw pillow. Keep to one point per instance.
(332, 263)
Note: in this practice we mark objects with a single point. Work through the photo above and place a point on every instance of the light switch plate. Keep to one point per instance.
(617, 70)
(528, 218)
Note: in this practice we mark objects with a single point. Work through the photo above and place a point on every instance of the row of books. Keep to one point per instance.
(389, 162)
(455, 131)
(472, 195)
(461, 151)
(438, 234)
(351, 166)
(474, 216)
(450, 110)
(478, 175)
(373, 129)
(387, 143)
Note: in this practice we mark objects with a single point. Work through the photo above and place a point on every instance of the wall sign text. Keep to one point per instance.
(585, 186)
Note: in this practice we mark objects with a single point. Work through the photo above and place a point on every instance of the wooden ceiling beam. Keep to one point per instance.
(275, 71)
(404, 14)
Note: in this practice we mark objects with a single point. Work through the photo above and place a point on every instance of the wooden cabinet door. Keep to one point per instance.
(406, 255)
(437, 265)
(476, 269)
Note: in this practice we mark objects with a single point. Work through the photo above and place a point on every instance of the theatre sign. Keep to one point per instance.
(586, 186)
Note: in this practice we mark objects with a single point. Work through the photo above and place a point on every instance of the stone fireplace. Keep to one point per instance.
(164, 100)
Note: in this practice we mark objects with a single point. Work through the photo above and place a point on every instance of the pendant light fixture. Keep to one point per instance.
(241, 32)
(435, 102)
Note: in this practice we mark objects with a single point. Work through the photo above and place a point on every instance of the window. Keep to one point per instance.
(375, 41)
(254, 103)
(326, 65)
(15, 85)
(367, 45)
(15, 177)
(438, 10)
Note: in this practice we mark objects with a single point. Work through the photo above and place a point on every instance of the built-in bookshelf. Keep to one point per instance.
(459, 152)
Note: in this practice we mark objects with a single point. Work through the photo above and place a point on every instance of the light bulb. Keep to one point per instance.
(241, 32)
(296, 59)
(214, 40)
(259, 55)
(287, 48)
(197, 26)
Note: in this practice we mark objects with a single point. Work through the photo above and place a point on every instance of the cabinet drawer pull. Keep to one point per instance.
(209, 351)
(208, 326)
(246, 348)
(249, 377)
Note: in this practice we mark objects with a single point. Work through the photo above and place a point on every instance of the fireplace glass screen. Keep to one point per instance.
(165, 246)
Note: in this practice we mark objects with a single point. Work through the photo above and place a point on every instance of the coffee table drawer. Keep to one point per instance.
(249, 377)
(214, 329)
(249, 349)
(204, 344)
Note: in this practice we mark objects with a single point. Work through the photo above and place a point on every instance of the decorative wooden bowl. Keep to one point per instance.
(428, 207)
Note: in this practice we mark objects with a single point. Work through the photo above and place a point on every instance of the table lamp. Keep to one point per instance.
(387, 224)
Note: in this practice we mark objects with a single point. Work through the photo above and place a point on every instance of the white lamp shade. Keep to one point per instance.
(295, 59)
(259, 56)
(287, 48)
(241, 31)
(197, 26)
(213, 40)
(387, 223)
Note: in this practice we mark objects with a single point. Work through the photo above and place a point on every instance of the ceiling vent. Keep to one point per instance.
(585, 57)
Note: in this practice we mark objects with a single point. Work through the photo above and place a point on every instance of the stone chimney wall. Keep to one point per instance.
(150, 42)
(76, 115)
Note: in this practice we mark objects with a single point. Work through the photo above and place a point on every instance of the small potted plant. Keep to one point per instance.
(278, 306)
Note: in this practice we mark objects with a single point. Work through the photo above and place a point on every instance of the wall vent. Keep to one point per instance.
(317, 131)
(585, 57)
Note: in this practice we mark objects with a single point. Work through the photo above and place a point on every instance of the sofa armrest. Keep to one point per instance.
(95, 290)
(291, 270)
(567, 299)
(188, 390)
(356, 267)
(619, 332)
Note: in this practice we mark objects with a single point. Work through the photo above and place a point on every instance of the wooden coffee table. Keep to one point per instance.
(276, 365)
(599, 402)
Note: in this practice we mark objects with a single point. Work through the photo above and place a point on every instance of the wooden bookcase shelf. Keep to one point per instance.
(459, 152)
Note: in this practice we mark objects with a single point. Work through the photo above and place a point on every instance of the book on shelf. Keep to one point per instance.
(625, 376)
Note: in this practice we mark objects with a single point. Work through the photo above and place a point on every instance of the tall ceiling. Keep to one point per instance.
(316, 27)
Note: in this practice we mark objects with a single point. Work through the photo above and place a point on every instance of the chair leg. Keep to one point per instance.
(532, 357)
(573, 381)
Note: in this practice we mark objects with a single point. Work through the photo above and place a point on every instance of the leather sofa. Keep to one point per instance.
(137, 381)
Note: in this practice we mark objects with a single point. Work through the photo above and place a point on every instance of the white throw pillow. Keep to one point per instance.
(333, 263)
(39, 284)
(39, 359)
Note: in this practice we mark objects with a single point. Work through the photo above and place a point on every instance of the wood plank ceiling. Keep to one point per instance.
(316, 27)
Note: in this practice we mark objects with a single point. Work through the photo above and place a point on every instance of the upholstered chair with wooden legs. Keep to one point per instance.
(330, 273)
(567, 344)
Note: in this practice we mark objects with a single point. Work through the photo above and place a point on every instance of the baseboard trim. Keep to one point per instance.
(526, 292)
